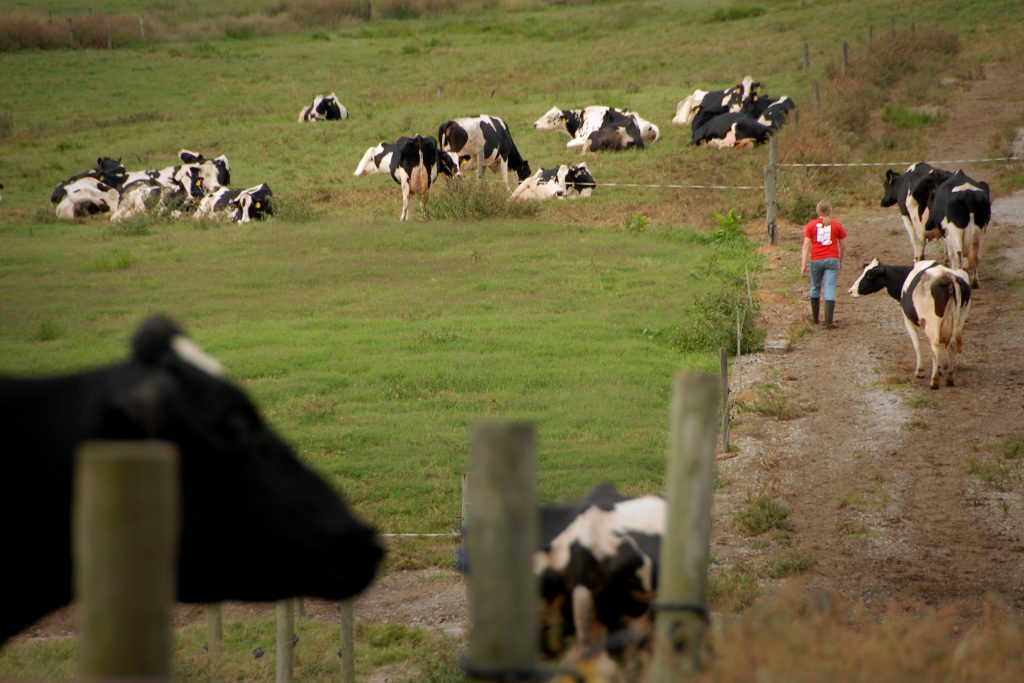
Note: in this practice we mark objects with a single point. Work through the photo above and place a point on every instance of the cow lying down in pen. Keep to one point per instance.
(256, 523)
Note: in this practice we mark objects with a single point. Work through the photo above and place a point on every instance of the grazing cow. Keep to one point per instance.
(598, 568)
(932, 296)
(108, 171)
(561, 182)
(255, 522)
(239, 206)
(85, 197)
(581, 124)
(487, 141)
(961, 209)
(324, 108)
(912, 193)
(734, 129)
(382, 159)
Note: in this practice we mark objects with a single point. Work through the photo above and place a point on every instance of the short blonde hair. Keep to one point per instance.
(824, 208)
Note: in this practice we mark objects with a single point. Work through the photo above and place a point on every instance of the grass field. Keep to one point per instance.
(372, 345)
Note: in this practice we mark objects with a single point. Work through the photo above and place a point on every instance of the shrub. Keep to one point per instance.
(901, 117)
(472, 200)
(734, 13)
(763, 514)
(636, 223)
(792, 561)
(713, 326)
(730, 227)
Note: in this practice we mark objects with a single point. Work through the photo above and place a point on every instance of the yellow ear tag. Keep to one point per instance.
(199, 181)
(257, 205)
(103, 179)
(755, 98)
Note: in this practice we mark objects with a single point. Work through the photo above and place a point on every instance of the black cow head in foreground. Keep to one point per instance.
(256, 524)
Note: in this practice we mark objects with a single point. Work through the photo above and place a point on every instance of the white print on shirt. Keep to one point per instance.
(824, 234)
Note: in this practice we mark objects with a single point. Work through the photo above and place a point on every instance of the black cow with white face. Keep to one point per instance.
(734, 129)
(486, 142)
(769, 111)
(912, 192)
(961, 208)
(324, 108)
(598, 569)
(256, 523)
(238, 206)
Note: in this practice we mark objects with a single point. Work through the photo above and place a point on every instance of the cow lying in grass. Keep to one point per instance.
(256, 523)
(559, 182)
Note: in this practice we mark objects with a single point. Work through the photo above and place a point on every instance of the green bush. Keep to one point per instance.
(763, 514)
(901, 117)
(734, 13)
(714, 324)
(469, 199)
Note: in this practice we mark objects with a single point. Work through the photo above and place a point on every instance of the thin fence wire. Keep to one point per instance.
(905, 163)
(686, 187)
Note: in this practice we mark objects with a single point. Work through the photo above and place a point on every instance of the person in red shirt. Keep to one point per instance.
(824, 248)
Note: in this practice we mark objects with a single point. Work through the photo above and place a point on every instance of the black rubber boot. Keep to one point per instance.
(830, 310)
(815, 307)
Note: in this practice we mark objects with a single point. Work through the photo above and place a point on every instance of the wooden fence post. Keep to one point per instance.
(681, 616)
(817, 94)
(125, 546)
(807, 57)
(142, 28)
(502, 537)
(214, 629)
(285, 640)
(71, 35)
(770, 175)
(110, 36)
(846, 57)
(49, 16)
(348, 642)
(723, 357)
(871, 33)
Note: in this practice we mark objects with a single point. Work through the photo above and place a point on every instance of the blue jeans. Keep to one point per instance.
(827, 269)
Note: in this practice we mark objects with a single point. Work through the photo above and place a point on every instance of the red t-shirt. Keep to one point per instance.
(824, 238)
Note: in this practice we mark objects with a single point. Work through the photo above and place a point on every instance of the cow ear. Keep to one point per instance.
(153, 339)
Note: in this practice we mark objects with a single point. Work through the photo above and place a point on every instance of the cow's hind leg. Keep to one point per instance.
(406, 200)
(912, 331)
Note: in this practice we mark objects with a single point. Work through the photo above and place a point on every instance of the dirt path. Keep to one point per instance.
(875, 475)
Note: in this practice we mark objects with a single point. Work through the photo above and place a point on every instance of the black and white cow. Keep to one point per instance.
(560, 182)
(734, 129)
(619, 132)
(770, 111)
(243, 490)
(143, 196)
(85, 197)
(932, 297)
(239, 206)
(581, 124)
(324, 108)
(912, 192)
(382, 159)
(414, 163)
(598, 568)
(708, 104)
(108, 171)
(485, 141)
(961, 208)
(197, 174)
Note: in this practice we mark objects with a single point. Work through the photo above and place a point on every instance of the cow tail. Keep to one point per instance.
(956, 337)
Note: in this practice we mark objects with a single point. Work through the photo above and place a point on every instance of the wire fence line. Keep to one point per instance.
(903, 163)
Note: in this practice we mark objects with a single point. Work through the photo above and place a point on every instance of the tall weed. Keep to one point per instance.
(472, 200)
